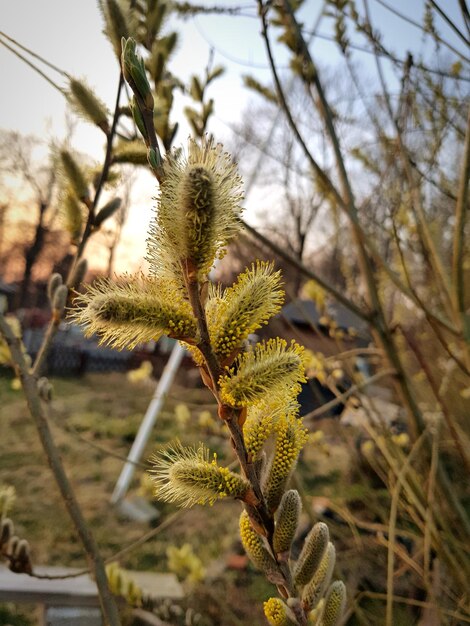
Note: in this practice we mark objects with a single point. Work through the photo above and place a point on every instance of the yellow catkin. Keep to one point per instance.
(272, 367)
(254, 546)
(291, 436)
(276, 612)
(335, 602)
(315, 589)
(187, 476)
(312, 553)
(287, 521)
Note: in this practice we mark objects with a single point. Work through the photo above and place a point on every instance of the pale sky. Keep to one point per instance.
(69, 34)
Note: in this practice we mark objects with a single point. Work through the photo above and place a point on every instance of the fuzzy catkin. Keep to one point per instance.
(317, 586)
(334, 604)
(312, 553)
(287, 521)
(254, 546)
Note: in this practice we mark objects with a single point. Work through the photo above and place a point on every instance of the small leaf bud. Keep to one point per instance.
(107, 211)
(133, 68)
(154, 158)
(312, 553)
(55, 281)
(138, 119)
(334, 604)
(79, 272)
(287, 521)
(60, 299)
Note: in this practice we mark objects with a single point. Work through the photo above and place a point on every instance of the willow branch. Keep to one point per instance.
(428, 242)
(32, 66)
(88, 231)
(452, 24)
(461, 210)
(38, 414)
(405, 18)
(306, 271)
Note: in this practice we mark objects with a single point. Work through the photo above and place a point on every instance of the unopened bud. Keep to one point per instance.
(60, 299)
(255, 549)
(334, 604)
(6, 531)
(315, 589)
(154, 158)
(312, 553)
(74, 175)
(107, 211)
(133, 68)
(45, 389)
(287, 521)
(138, 119)
(79, 272)
(22, 550)
(55, 281)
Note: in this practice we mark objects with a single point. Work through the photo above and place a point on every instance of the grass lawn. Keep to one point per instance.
(106, 410)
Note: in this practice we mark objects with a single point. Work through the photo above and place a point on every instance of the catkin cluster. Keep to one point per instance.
(256, 388)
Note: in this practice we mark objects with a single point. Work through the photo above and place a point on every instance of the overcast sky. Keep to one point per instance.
(69, 34)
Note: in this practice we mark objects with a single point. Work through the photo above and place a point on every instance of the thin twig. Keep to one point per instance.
(35, 55)
(324, 408)
(405, 18)
(461, 210)
(92, 206)
(306, 271)
(34, 67)
(38, 414)
(450, 22)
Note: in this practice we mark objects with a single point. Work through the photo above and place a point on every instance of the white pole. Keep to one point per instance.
(148, 423)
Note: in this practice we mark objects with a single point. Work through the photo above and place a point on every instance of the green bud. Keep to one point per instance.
(55, 280)
(74, 175)
(287, 521)
(133, 68)
(312, 553)
(315, 589)
(334, 604)
(60, 299)
(79, 272)
(154, 158)
(107, 211)
(138, 119)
